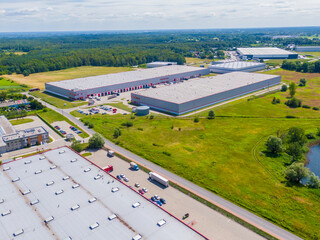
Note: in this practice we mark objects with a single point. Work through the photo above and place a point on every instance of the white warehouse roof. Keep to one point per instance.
(236, 66)
(123, 77)
(61, 195)
(263, 51)
(202, 87)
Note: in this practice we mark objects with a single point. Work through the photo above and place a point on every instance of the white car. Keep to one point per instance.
(145, 190)
(157, 197)
(122, 175)
(126, 179)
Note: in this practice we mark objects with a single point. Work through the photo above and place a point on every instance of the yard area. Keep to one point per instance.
(21, 121)
(38, 80)
(57, 101)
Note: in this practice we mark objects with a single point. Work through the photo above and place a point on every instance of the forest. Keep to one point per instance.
(31, 53)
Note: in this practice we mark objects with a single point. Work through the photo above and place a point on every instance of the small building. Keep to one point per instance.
(198, 93)
(142, 110)
(160, 64)
(11, 140)
(308, 48)
(237, 67)
(265, 53)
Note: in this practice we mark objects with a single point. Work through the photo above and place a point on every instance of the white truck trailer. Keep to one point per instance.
(156, 177)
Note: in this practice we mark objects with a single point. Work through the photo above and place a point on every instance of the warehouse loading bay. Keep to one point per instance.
(202, 218)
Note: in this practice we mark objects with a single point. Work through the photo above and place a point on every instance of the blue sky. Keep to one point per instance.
(77, 15)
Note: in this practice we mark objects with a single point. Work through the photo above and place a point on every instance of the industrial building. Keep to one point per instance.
(160, 64)
(11, 140)
(237, 66)
(308, 48)
(60, 195)
(201, 92)
(82, 88)
(265, 53)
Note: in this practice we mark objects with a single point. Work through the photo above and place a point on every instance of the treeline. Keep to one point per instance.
(298, 66)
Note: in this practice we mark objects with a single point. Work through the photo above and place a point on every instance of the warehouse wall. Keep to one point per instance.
(214, 69)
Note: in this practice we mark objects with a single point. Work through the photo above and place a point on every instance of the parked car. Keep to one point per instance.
(153, 199)
(159, 203)
(163, 201)
(145, 190)
(57, 127)
(141, 191)
(119, 177)
(137, 185)
(157, 197)
(126, 179)
(122, 175)
(78, 131)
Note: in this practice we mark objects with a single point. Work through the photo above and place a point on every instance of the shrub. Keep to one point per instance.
(90, 125)
(116, 133)
(303, 82)
(274, 145)
(306, 106)
(96, 141)
(127, 124)
(166, 153)
(275, 100)
(211, 114)
(151, 117)
(293, 103)
(196, 120)
(290, 116)
(310, 135)
(295, 172)
(284, 88)
(76, 146)
(292, 89)
(140, 129)
(314, 181)
(315, 108)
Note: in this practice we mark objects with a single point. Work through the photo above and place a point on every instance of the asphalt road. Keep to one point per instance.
(242, 213)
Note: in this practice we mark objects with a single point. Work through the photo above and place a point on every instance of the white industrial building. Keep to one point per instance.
(265, 53)
(82, 88)
(60, 195)
(160, 64)
(188, 96)
(308, 48)
(237, 67)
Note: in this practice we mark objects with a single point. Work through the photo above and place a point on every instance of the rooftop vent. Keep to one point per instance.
(53, 167)
(49, 219)
(6, 169)
(135, 205)
(93, 226)
(76, 186)
(68, 238)
(38, 172)
(75, 207)
(65, 178)
(50, 183)
(111, 217)
(26, 192)
(34, 202)
(42, 158)
(115, 189)
(161, 223)
(19, 232)
(27, 162)
(137, 237)
(1, 200)
(63, 151)
(16, 179)
(5, 213)
(97, 177)
(59, 192)
(91, 200)
(87, 170)
(73, 160)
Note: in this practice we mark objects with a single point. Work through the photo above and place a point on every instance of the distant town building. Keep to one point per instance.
(11, 139)
(160, 64)
(265, 53)
(14, 103)
(308, 48)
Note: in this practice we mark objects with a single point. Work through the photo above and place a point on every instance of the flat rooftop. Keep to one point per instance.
(236, 65)
(263, 51)
(61, 195)
(30, 132)
(203, 87)
(123, 77)
(5, 126)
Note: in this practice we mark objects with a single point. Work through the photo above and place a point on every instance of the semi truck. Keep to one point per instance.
(108, 168)
(134, 166)
(156, 177)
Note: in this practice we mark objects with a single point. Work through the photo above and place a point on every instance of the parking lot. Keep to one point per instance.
(65, 129)
(102, 109)
(202, 218)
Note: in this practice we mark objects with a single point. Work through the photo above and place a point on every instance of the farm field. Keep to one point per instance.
(57, 101)
(276, 62)
(9, 85)
(225, 155)
(39, 79)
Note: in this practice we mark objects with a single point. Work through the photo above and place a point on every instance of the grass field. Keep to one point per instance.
(87, 154)
(6, 84)
(121, 106)
(196, 62)
(51, 116)
(314, 54)
(57, 101)
(39, 79)
(276, 62)
(225, 155)
(21, 121)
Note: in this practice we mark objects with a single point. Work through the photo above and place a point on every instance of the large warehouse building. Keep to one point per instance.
(61, 195)
(160, 64)
(188, 96)
(265, 53)
(308, 48)
(82, 88)
(237, 67)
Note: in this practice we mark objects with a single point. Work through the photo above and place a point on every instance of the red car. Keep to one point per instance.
(141, 191)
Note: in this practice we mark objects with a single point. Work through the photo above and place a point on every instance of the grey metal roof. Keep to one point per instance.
(202, 87)
(6, 126)
(263, 51)
(236, 65)
(123, 77)
(81, 206)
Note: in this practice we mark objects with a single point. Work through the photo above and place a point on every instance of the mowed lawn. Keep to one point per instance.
(223, 155)
(6, 84)
(57, 101)
(39, 79)
(21, 121)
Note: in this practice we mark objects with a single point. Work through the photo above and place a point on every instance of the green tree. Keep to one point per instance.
(295, 150)
(211, 114)
(284, 88)
(76, 146)
(295, 172)
(314, 181)
(96, 141)
(296, 134)
(292, 89)
(116, 133)
(196, 119)
(303, 82)
(3, 95)
(274, 145)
